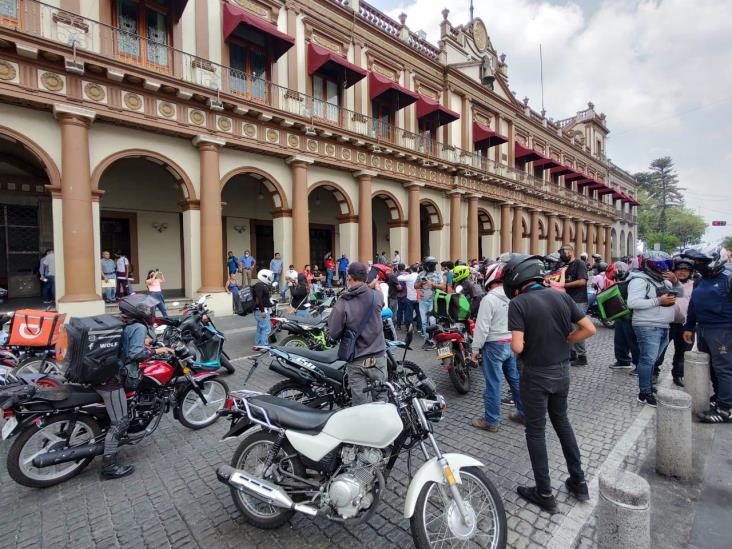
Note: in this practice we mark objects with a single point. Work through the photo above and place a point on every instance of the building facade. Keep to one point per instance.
(176, 130)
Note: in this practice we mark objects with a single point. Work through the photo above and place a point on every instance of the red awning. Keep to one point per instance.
(561, 170)
(178, 7)
(387, 91)
(278, 41)
(574, 175)
(629, 199)
(605, 190)
(486, 137)
(585, 181)
(525, 154)
(545, 163)
(434, 112)
(330, 63)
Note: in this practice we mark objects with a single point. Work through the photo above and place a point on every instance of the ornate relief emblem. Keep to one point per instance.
(197, 117)
(223, 123)
(427, 92)
(133, 101)
(253, 7)
(361, 157)
(330, 149)
(312, 145)
(384, 71)
(94, 91)
(250, 130)
(400, 167)
(387, 164)
(273, 136)
(480, 36)
(327, 43)
(375, 162)
(346, 154)
(293, 141)
(52, 82)
(7, 71)
(166, 109)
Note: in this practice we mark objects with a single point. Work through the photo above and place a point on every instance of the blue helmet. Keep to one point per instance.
(386, 312)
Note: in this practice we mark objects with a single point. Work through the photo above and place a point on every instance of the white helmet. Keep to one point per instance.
(266, 276)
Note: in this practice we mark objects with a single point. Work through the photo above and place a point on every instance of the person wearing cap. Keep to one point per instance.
(359, 310)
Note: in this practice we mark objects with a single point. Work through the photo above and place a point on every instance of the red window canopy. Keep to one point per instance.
(524, 154)
(433, 113)
(331, 64)
(561, 170)
(178, 7)
(574, 175)
(483, 136)
(629, 199)
(605, 190)
(388, 92)
(585, 181)
(236, 18)
(545, 163)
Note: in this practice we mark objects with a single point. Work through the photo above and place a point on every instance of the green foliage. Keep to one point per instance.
(685, 225)
(668, 242)
(727, 243)
(661, 185)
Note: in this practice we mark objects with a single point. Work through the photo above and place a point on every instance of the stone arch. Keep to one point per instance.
(525, 232)
(392, 204)
(345, 205)
(559, 231)
(485, 222)
(274, 188)
(52, 171)
(433, 211)
(542, 230)
(631, 244)
(175, 170)
(622, 250)
(614, 243)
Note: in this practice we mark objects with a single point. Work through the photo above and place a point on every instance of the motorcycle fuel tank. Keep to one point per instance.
(376, 425)
(158, 370)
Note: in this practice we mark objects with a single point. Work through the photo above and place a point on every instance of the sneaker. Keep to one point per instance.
(577, 489)
(517, 418)
(715, 416)
(481, 423)
(581, 360)
(633, 372)
(648, 399)
(507, 400)
(620, 366)
(531, 494)
(428, 346)
(678, 381)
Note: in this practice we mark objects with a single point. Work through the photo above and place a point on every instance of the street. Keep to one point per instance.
(173, 499)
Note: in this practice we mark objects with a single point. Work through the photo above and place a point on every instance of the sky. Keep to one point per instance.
(661, 70)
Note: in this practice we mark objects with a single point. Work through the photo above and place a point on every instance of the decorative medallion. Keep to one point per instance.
(250, 130)
(375, 162)
(312, 145)
(361, 157)
(346, 154)
(387, 164)
(196, 117)
(8, 70)
(480, 36)
(253, 7)
(327, 43)
(330, 149)
(273, 136)
(293, 141)
(133, 101)
(94, 91)
(166, 109)
(52, 82)
(223, 123)
(384, 71)
(400, 167)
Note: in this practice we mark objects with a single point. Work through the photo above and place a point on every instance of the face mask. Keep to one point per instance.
(564, 255)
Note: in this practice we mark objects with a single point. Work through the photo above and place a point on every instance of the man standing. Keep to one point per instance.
(396, 260)
(401, 295)
(359, 311)
(262, 306)
(232, 263)
(575, 284)
(109, 276)
(540, 321)
(382, 258)
(428, 280)
(124, 269)
(48, 277)
(275, 265)
(329, 266)
(247, 263)
(409, 306)
(342, 267)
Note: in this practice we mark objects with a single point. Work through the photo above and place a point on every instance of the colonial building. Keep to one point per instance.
(174, 130)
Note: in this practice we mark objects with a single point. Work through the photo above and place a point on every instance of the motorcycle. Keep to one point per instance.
(59, 431)
(336, 464)
(196, 329)
(309, 332)
(9, 379)
(452, 341)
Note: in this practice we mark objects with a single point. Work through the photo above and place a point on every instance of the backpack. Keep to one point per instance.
(455, 307)
(612, 303)
(91, 348)
(244, 301)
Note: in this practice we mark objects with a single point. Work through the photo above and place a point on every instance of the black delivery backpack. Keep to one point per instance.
(93, 348)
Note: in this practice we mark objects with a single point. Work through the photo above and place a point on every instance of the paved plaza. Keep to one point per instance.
(174, 499)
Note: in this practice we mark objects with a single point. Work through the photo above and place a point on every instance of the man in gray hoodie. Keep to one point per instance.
(493, 339)
(652, 293)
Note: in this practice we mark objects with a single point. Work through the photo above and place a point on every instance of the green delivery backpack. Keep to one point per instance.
(612, 302)
(455, 307)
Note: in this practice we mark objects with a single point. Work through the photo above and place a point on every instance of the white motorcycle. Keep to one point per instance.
(335, 464)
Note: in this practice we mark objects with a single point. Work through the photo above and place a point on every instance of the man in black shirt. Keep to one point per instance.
(575, 283)
(540, 321)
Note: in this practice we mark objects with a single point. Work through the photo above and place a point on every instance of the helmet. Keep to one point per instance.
(597, 257)
(266, 276)
(709, 262)
(379, 271)
(459, 262)
(460, 273)
(583, 256)
(519, 270)
(138, 307)
(655, 263)
(552, 261)
(617, 271)
(681, 262)
(429, 263)
(493, 273)
(386, 312)
(601, 267)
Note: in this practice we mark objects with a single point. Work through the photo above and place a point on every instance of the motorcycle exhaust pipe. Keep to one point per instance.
(292, 373)
(70, 454)
(266, 491)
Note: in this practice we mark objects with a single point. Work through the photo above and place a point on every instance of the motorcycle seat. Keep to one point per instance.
(68, 396)
(324, 357)
(291, 414)
(170, 321)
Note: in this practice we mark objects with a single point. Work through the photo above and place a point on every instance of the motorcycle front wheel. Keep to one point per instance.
(459, 374)
(437, 522)
(193, 413)
(295, 341)
(37, 365)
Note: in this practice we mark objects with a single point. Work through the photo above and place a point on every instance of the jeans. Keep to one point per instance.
(498, 358)
(109, 293)
(342, 277)
(579, 347)
(359, 377)
(48, 290)
(626, 345)
(123, 284)
(651, 343)
(329, 277)
(424, 308)
(718, 343)
(676, 334)
(393, 305)
(277, 279)
(264, 327)
(161, 303)
(402, 319)
(302, 313)
(544, 389)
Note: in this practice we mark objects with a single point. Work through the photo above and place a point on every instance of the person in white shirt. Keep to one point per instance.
(408, 279)
(123, 274)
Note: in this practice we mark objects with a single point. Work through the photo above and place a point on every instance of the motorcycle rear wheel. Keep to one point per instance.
(295, 341)
(37, 365)
(459, 374)
(292, 390)
(250, 456)
(20, 468)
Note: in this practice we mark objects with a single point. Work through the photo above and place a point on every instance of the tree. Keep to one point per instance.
(667, 241)
(685, 225)
(727, 243)
(665, 188)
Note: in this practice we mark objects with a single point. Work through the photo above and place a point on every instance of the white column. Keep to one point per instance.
(192, 251)
(398, 240)
(282, 234)
(97, 247)
(58, 242)
(438, 248)
(348, 241)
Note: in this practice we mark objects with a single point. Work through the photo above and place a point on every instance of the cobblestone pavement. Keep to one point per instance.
(174, 499)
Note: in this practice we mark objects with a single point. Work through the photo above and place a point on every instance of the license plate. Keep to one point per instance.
(444, 352)
(9, 427)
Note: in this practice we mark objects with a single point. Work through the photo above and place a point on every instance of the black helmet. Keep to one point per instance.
(552, 261)
(597, 257)
(654, 263)
(138, 308)
(519, 270)
(709, 261)
(681, 262)
(601, 267)
(617, 271)
(429, 263)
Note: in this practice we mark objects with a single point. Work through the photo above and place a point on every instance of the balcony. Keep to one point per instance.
(252, 94)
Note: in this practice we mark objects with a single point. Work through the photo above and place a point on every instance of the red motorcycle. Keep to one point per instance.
(452, 342)
(59, 431)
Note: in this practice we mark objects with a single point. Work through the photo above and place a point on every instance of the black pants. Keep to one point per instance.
(545, 389)
(675, 335)
(625, 343)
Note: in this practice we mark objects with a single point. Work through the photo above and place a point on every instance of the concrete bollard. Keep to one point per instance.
(673, 434)
(623, 511)
(697, 381)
